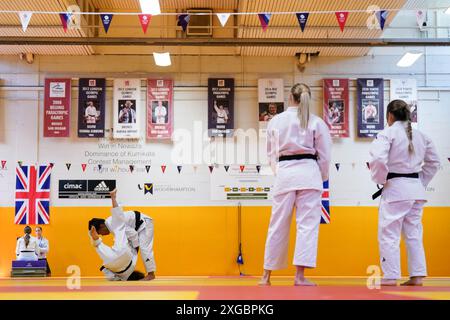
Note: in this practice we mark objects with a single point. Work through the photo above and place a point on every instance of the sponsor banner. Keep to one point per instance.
(127, 110)
(271, 99)
(335, 106)
(220, 107)
(91, 108)
(370, 107)
(406, 90)
(57, 99)
(159, 108)
(85, 189)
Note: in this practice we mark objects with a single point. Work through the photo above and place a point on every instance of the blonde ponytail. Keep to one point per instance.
(302, 95)
(401, 112)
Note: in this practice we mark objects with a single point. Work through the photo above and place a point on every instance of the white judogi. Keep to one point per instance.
(44, 247)
(402, 199)
(91, 114)
(120, 259)
(27, 253)
(160, 114)
(298, 183)
(142, 238)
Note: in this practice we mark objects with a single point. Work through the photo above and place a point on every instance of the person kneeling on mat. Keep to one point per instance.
(138, 231)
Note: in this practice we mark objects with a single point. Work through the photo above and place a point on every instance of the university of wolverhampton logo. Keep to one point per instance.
(148, 188)
(101, 187)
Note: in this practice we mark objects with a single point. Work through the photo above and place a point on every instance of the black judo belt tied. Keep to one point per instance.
(298, 157)
(392, 175)
(138, 221)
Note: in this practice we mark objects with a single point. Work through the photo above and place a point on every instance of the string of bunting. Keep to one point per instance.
(183, 19)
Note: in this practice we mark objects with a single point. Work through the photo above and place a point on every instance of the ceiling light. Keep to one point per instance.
(409, 59)
(448, 11)
(162, 59)
(150, 7)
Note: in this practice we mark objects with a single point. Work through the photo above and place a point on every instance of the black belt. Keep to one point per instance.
(138, 221)
(298, 157)
(120, 272)
(392, 175)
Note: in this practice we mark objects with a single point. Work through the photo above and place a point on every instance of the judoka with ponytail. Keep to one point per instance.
(404, 161)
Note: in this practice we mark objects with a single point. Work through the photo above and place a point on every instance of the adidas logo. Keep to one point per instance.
(101, 187)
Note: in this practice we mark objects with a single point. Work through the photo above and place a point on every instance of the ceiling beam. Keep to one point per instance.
(223, 42)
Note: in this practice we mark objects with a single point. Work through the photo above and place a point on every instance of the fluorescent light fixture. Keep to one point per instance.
(162, 59)
(150, 7)
(409, 59)
(448, 11)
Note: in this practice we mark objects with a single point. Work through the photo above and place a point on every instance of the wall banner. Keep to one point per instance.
(127, 101)
(91, 108)
(57, 100)
(159, 108)
(370, 107)
(271, 99)
(335, 106)
(220, 107)
(406, 89)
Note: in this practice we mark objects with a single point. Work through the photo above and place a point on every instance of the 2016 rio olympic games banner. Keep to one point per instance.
(57, 108)
(91, 108)
(370, 107)
(271, 99)
(335, 106)
(127, 110)
(159, 108)
(220, 107)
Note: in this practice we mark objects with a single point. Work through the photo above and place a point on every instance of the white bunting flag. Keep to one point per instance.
(25, 17)
(223, 18)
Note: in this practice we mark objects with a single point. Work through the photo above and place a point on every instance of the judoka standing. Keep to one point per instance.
(298, 147)
(404, 161)
(138, 232)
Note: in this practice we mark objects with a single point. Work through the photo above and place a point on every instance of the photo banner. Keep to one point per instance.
(91, 108)
(406, 90)
(127, 100)
(159, 108)
(335, 106)
(270, 98)
(220, 107)
(370, 107)
(57, 100)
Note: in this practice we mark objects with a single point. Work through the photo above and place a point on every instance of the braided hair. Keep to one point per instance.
(401, 112)
(27, 236)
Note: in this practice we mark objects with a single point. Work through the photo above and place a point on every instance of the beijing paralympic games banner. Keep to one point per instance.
(57, 107)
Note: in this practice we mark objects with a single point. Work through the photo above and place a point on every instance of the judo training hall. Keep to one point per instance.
(263, 154)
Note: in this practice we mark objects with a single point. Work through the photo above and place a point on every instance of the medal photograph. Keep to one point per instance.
(224, 159)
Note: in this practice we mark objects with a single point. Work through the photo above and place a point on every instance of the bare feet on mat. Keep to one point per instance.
(265, 279)
(303, 282)
(264, 283)
(413, 281)
(150, 276)
(388, 282)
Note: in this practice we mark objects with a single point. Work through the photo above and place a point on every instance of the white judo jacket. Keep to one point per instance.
(389, 153)
(285, 137)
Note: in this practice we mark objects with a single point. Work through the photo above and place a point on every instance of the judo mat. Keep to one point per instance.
(216, 288)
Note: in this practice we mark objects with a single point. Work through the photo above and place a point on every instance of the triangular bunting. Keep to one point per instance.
(183, 21)
(3, 164)
(68, 166)
(448, 159)
(64, 19)
(223, 18)
(302, 18)
(338, 165)
(106, 20)
(211, 168)
(226, 168)
(147, 168)
(368, 165)
(258, 168)
(100, 167)
(20, 163)
(341, 17)
(163, 168)
(83, 166)
(25, 17)
(382, 16)
(264, 19)
(131, 168)
(51, 164)
(145, 21)
(179, 169)
(242, 168)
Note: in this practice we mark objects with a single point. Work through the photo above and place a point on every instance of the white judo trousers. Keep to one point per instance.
(308, 213)
(146, 245)
(396, 218)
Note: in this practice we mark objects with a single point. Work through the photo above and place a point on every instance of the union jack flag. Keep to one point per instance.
(325, 203)
(32, 195)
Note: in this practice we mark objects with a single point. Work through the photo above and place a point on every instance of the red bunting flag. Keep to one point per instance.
(242, 168)
(83, 166)
(3, 164)
(341, 17)
(163, 168)
(145, 21)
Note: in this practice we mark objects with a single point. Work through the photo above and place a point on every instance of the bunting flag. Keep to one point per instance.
(51, 165)
(338, 165)
(226, 168)
(163, 169)
(131, 168)
(368, 165)
(223, 18)
(264, 18)
(258, 168)
(3, 164)
(179, 169)
(183, 21)
(20, 163)
(25, 17)
(145, 19)
(83, 166)
(64, 19)
(68, 166)
(242, 168)
(382, 16)
(448, 159)
(106, 20)
(147, 168)
(302, 18)
(211, 168)
(342, 19)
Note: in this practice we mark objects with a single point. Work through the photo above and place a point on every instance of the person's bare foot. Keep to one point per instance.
(149, 277)
(304, 283)
(388, 282)
(264, 282)
(413, 281)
